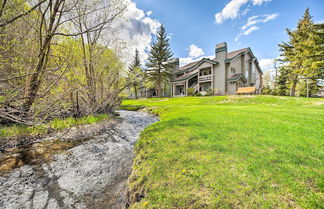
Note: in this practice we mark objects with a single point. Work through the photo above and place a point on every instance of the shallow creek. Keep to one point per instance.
(87, 173)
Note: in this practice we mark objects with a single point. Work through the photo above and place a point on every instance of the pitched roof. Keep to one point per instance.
(236, 77)
(230, 55)
(233, 54)
(189, 65)
(186, 76)
(193, 65)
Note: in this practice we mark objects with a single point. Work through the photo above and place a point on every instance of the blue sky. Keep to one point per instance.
(196, 26)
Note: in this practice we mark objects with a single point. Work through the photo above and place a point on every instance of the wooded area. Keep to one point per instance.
(54, 61)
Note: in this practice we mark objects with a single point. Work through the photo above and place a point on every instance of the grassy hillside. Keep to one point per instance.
(230, 152)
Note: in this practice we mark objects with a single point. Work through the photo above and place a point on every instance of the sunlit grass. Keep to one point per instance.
(55, 125)
(230, 152)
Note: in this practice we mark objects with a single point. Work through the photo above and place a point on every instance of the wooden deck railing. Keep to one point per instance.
(205, 78)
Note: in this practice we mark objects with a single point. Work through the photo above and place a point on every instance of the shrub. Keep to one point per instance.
(198, 94)
(266, 91)
(191, 91)
(209, 92)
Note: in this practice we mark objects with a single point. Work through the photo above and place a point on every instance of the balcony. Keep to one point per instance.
(205, 78)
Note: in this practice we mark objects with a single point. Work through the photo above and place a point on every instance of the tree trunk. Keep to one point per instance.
(89, 69)
(135, 91)
(55, 14)
(158, 89)
(293, 88)
(158, 92)
(35, 80)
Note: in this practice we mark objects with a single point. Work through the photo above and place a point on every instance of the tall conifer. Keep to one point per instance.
(304, 53)
(160, 53)
(135, 72)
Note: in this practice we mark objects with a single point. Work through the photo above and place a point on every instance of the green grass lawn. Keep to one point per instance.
(230, 152)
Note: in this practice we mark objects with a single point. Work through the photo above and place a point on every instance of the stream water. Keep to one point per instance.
(88, 173)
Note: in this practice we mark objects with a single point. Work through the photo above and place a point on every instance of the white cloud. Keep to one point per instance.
(185, 60)
(153, 23)
(259, 18)
(195, 51)
(250, 30)
(245, 11)
(270, 17)
(148, 13)
(194, 54)
(237, 37)
(232, 9)
(133, 12)
(251, 23)
(260, 2)
(266, 64)
(134, 31)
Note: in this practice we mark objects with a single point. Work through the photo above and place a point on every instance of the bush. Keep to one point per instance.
(198, 94)
(209, 92)
(266, 91)
(191, 91)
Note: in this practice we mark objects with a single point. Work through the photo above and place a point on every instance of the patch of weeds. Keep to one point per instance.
(55, 124)
(131, 107)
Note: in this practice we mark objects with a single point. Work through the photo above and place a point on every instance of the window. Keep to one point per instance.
(205, 71)
(233, 70)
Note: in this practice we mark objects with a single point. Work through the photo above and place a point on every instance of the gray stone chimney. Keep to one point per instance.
(221, 51)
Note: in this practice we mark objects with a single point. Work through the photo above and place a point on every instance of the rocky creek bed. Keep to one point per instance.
(88, 173)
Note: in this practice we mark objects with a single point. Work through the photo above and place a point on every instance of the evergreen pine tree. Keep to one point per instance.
(282, 88)
(314, 60)
(136, 61)
(160, 53)
(318, 50)
(304, 53)
(135, 72)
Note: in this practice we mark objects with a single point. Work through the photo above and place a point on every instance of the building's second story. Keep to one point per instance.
(223, 74)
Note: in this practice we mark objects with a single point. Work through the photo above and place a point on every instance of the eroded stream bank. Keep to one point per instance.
(92, 174)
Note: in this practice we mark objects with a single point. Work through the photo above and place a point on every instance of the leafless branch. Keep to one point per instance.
(21, 15)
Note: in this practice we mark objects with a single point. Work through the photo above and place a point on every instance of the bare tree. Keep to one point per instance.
(53, 20)
(95, 24)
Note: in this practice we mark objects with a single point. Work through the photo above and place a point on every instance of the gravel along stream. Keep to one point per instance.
(92, 174)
